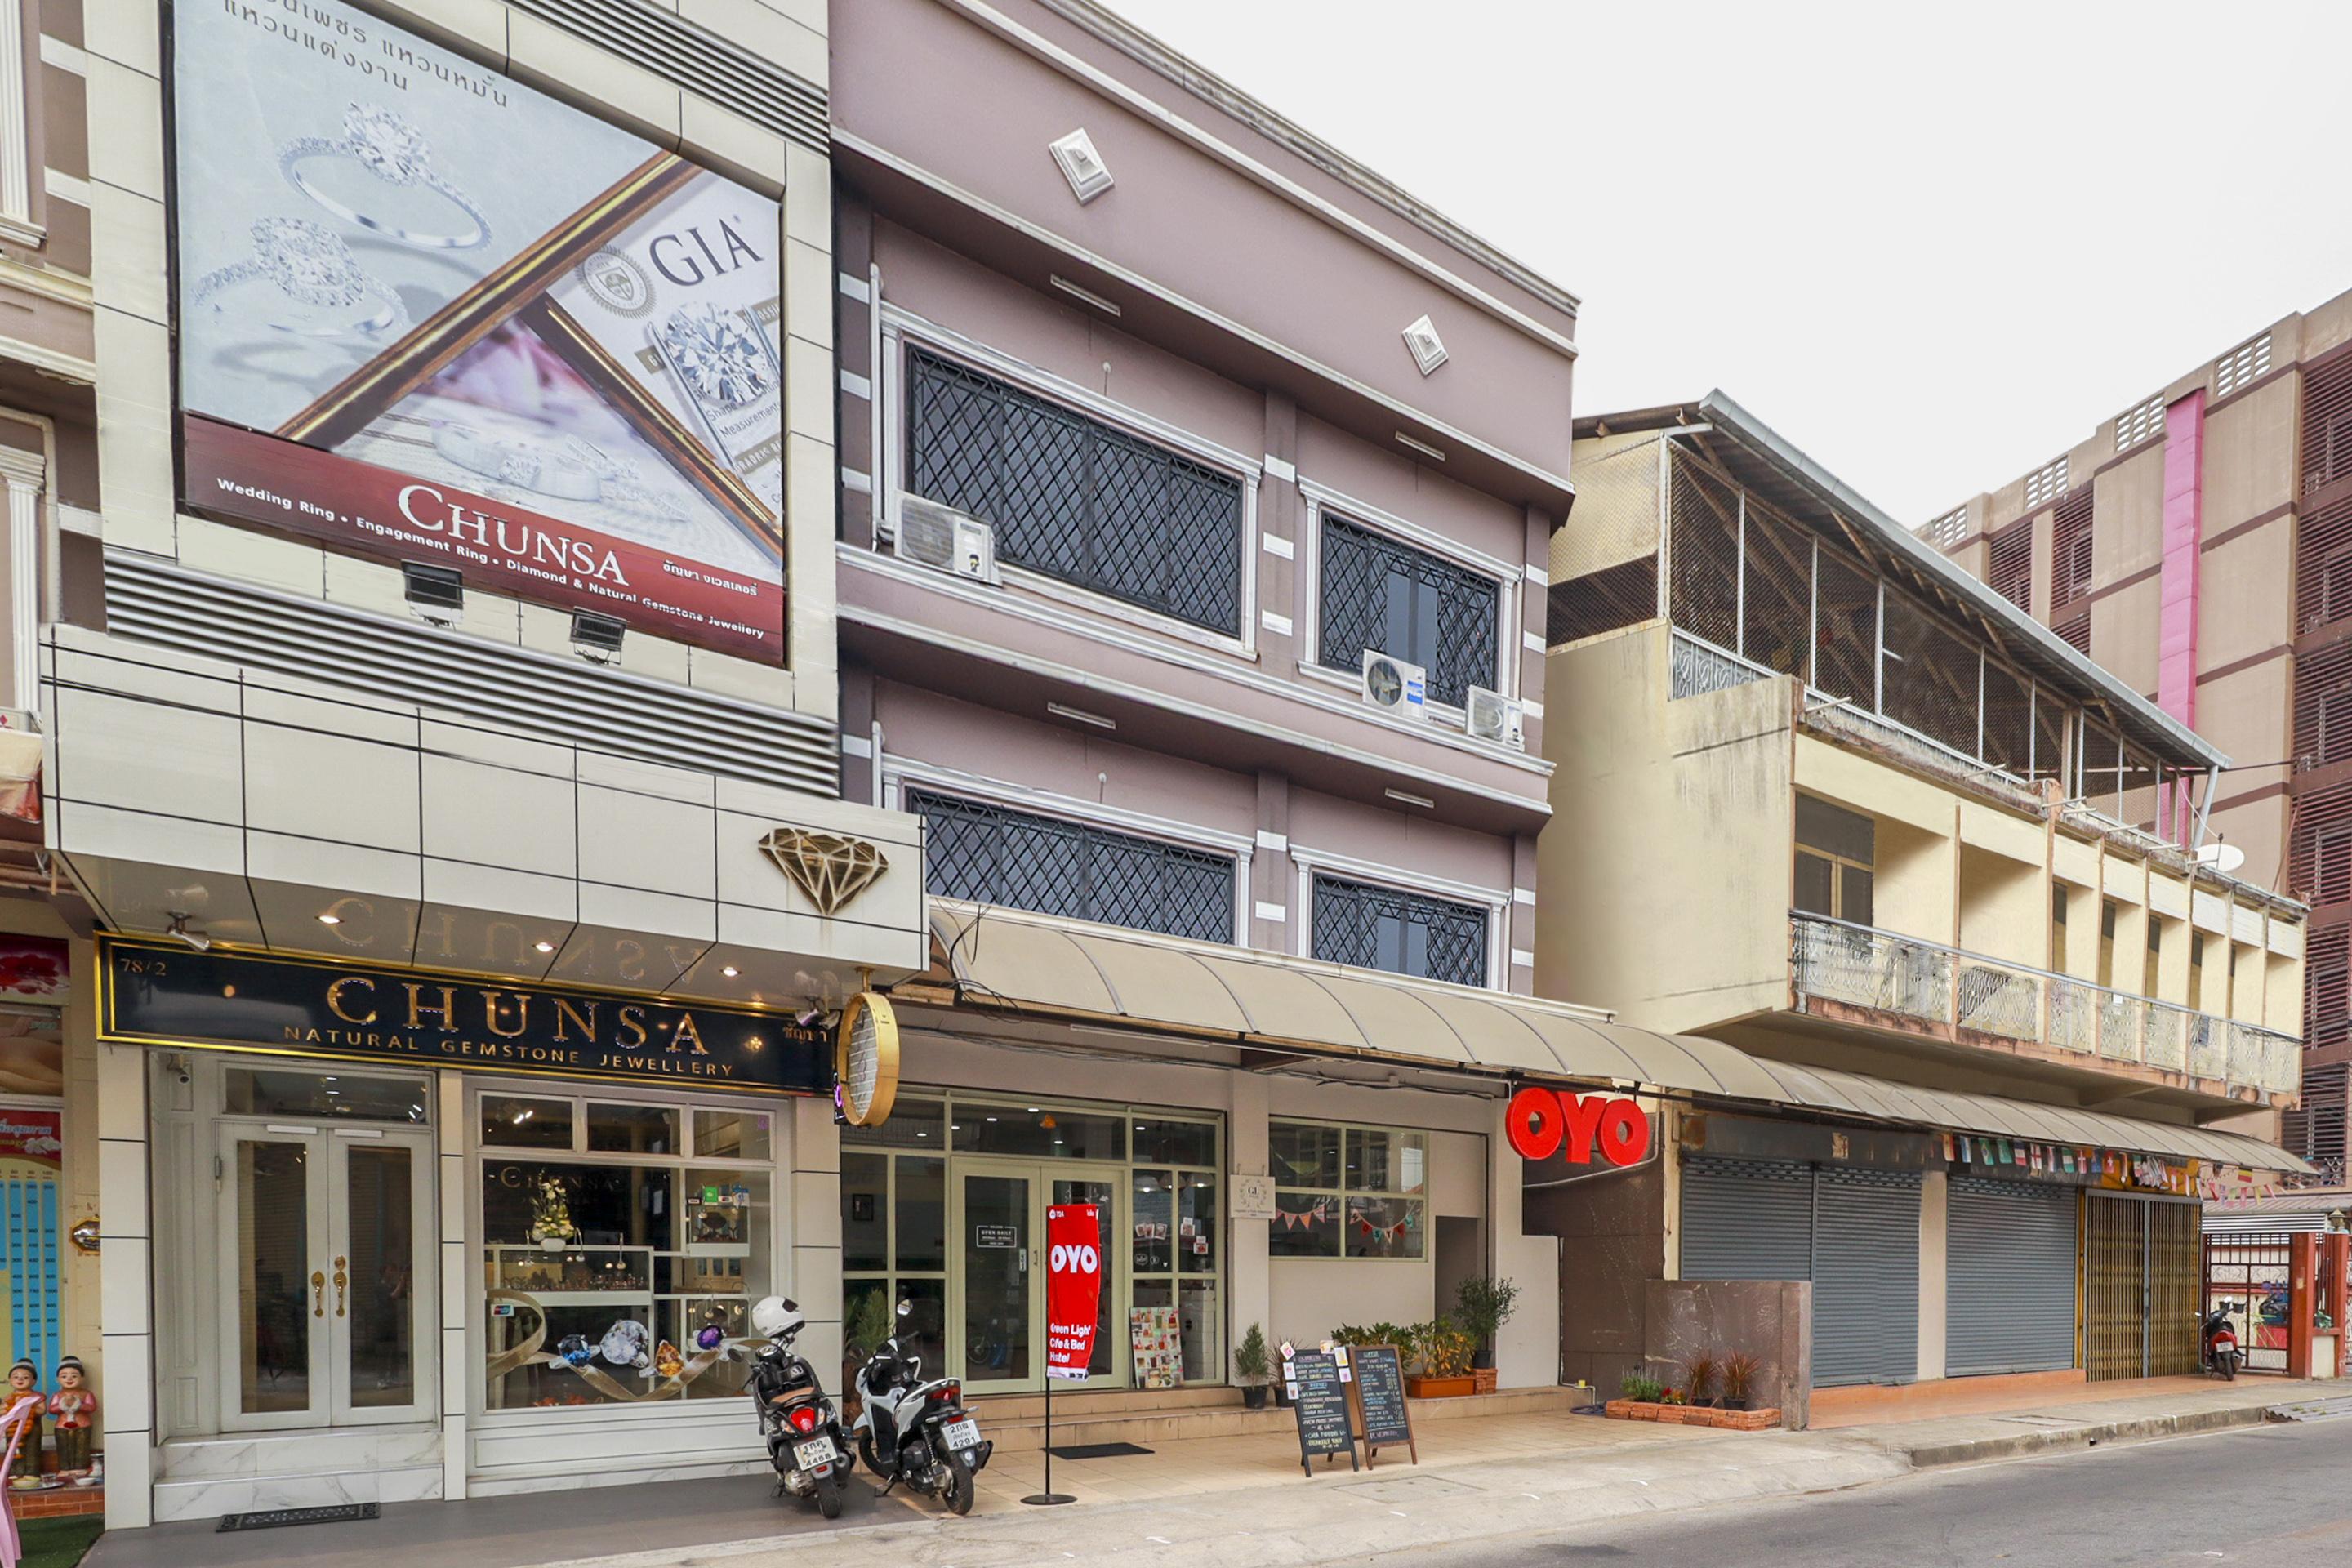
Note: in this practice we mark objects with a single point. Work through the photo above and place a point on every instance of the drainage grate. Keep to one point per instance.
(271, 1518)
(1099, 1451)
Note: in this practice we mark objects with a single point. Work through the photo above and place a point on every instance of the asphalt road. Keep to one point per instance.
(2279, 1496)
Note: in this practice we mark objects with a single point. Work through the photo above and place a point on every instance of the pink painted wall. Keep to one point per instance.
(2176, 669)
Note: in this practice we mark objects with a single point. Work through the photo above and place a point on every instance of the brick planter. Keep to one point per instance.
(1692, 1416)
(54, 1502)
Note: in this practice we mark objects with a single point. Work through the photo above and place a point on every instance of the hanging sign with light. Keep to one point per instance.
(1541, 1122)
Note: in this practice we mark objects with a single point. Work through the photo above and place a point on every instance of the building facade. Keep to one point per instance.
(1225, 944)
(425, 605)
(1833, 802)
(2192, 544)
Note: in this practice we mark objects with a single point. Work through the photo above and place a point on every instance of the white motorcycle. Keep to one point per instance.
(917, 1432)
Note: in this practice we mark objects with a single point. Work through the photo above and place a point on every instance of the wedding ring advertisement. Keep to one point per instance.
(430, 313)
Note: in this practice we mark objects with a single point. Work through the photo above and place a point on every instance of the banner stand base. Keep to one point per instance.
(1046, 1499)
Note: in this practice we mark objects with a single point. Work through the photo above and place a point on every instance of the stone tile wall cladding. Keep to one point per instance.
(1771, 1320)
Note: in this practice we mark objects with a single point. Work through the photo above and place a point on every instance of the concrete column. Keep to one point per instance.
(21, 475)
(458, 1277)
(1273, 878)
(813, 1232)
(1934, 1202)
(1519, 920)
(1528, 1351)
(1248, 1272)
(1285, 598)
(125, 1269)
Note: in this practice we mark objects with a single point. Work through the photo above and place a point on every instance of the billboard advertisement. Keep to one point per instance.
(430, 314)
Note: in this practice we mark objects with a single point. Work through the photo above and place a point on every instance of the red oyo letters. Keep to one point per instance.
(1540, 1121)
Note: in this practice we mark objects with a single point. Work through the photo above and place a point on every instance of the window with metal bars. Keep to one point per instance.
(1074, 499)
(1383, 596)
(2009, 568)
(994, 855)
(1373, 927)
(2071, 557)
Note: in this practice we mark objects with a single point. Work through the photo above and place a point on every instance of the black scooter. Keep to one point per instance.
(805, 1442)
(918, 1432)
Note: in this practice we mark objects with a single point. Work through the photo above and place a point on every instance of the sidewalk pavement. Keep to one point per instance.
(1478, 1480)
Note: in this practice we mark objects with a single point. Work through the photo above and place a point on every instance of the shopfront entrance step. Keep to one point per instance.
(212, 1498)
(1121, 1419)
(246, 1456)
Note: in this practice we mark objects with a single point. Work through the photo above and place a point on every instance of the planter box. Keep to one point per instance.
(1420, 1386)
(1485, 1378)
(1692, 1415)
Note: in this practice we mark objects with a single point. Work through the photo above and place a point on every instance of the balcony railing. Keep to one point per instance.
(1859, 966)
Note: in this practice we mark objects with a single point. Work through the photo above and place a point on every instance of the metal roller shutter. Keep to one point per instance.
(1865, 1277)
(2009, 1283)
(1747, 1219)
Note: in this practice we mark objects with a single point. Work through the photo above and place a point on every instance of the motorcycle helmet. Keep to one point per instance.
(776, 1316)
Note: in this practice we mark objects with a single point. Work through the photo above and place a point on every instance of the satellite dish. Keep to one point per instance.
(2224, 857)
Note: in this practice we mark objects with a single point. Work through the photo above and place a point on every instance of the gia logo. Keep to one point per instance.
(619, 284)
(832, 868)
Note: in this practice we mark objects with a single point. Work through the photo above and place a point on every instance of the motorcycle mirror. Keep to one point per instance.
(906, 1308)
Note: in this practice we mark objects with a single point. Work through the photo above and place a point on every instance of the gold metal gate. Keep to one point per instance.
(2140, 1263)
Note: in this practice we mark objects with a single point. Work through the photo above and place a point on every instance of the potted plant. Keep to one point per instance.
(1640, 1387)
(1740, 1371)
(1482, 1305)
(1701, 1385)
(1252, 1362)
(1441, 1351)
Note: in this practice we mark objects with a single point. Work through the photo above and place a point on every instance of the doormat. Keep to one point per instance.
(1099, 1451)
(270, 1519)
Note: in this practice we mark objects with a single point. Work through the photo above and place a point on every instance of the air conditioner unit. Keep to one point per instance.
(1395, 686)
(1493, 717)
(945, 540)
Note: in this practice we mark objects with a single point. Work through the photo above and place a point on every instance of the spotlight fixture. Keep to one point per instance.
(330, 920)
(542, 947)
(730, 970)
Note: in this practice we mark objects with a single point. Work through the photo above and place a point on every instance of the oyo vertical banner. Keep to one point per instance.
(1073, 1287)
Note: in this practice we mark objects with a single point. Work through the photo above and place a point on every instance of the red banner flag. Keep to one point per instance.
(1073, 1265)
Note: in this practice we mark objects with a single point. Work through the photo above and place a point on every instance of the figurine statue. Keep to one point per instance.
(24, 1388)
(75, 1410)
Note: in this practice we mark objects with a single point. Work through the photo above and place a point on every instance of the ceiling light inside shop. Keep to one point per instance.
(330, 920)
(730, 970)
(542, 947)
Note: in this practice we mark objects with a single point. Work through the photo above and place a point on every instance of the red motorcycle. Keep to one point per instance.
(2218, 1344)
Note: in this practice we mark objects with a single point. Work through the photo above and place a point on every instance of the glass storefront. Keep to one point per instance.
(943, 1206)
(1352, 1191)
(624, 1242)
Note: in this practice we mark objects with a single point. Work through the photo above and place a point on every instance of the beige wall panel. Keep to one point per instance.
(2241, 610)
(2071, 860)
(1858, 783)
(2327, 327)
(2283, 995)
(2004, 912)
(2127, 517)
(1616, 514)
(1915, 890)
(2249, 456)
(1986, 827)
(2124, 632)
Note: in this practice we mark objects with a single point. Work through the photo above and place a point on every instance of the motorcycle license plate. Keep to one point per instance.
(962, 1434)
(816, 1451)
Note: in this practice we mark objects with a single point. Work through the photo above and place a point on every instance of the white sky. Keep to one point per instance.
(1934, 247)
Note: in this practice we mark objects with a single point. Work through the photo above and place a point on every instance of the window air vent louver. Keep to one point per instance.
(2137, 424)
(735, 79)
(2045, 484)
(546, 696)
(2242, 366)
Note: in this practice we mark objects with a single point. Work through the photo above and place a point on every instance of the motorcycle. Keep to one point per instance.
(918, 1432)
(803, 1429)
(2217, 1341)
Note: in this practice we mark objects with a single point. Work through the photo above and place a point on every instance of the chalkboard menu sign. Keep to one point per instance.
(1382, 1418)
(1326, 1424)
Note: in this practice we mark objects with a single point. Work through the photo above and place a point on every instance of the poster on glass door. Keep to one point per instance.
(1073, 1287)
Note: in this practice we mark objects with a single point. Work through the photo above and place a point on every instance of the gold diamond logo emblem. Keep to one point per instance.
(831, 868)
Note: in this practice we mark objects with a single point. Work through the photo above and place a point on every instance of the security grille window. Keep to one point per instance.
(1373, 927)
(1836, 853)
(1076, 499)
(992, 855)
(2010, 568)
(1357, 1192)
(1393, 599)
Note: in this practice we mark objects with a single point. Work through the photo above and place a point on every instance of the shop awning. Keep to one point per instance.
(1268, 1001)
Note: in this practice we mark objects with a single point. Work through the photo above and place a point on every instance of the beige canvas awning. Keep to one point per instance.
(1282, 1004)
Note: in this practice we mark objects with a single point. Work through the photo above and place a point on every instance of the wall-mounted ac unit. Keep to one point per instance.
(945, 540)
(1395, 686)
(1493, 717)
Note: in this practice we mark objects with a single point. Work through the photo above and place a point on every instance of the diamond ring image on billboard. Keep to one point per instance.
(428, 313)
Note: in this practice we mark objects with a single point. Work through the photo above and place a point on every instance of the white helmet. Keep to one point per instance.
(776, 1317)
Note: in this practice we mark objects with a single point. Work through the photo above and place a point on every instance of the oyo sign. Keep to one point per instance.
(1541, 1121)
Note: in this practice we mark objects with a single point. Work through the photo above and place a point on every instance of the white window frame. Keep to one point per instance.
(901, 329)
(1343, 1192)
(1510, 582)
(1495, 901)
(897, 772)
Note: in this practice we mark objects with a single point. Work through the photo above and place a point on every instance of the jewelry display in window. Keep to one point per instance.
(387, 145)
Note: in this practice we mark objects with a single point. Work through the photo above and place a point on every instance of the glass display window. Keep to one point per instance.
(1348, 1192)
(622, 1245)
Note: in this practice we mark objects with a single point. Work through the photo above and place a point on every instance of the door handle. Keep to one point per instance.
(318, 1294)
(342, 1281)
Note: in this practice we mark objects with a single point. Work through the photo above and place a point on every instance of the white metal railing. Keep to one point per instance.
(1861, 966)
(1700, 666)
